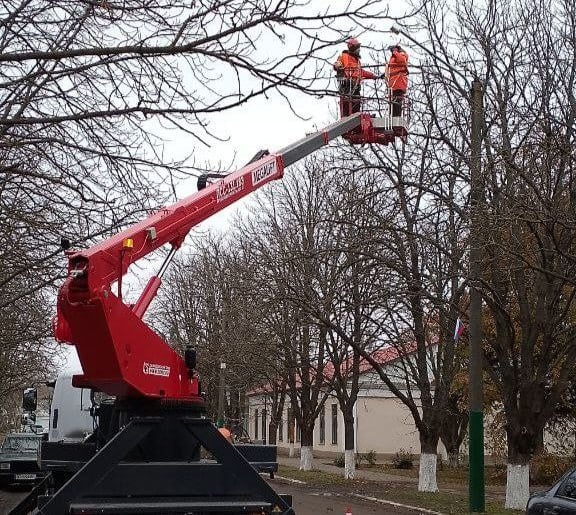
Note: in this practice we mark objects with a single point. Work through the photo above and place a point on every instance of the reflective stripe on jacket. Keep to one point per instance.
(397, 71)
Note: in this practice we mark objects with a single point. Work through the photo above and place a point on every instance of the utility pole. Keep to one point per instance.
(476, 416)
(221, 392)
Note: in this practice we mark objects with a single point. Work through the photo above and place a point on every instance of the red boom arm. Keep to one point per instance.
(119, 353)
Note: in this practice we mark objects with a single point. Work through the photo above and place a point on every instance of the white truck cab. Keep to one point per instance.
(70, 418)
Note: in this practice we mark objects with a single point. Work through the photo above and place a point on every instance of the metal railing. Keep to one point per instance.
(374, 97)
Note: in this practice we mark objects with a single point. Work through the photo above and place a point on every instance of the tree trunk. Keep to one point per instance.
(522, 441)
(428, 460)
(306, 450)
(349, 448)
(453, 428)
(272, 432)
(517, 486)
(453, 457)
(291, 433)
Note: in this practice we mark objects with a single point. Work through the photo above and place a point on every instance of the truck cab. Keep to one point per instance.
(70, 416)
(19, 459)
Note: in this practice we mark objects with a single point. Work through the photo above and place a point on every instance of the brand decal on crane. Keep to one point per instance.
(227, 189)
(152, 369)
(264, 172)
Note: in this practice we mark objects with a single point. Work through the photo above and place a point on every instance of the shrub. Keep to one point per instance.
(497, 473)
(403, 459)
(370, 457)
(545, 469)
(339, 461)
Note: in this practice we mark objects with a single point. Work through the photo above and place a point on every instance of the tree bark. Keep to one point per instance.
(453, 457)
(272, 432)
(523, 440)
(349, 447)
(306, 451)
(428, 460)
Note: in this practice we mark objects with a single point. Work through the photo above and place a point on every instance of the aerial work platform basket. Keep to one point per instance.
(384, 117)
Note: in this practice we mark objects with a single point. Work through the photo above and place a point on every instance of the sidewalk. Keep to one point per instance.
(370, 475)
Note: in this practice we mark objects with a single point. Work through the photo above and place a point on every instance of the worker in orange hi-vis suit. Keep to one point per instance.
(350, 75)
(397, 78)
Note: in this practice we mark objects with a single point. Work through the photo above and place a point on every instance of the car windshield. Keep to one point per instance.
(20, 443)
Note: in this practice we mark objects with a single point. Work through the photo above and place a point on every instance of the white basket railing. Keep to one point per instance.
(375, 97)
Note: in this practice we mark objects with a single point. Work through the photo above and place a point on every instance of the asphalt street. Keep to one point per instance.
(311, 501)
(9, 498)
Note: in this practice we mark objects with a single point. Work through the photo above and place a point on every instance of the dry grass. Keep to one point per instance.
(451, 501)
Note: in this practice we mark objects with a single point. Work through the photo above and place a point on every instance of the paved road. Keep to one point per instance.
(10, 498)
(310, 501)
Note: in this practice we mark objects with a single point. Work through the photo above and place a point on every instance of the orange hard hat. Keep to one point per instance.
(353, 43)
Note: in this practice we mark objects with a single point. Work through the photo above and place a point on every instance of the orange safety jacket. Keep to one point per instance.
(350, 66)
(397, 71)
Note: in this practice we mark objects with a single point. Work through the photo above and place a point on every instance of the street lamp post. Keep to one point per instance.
(476, 417)
(221, 393)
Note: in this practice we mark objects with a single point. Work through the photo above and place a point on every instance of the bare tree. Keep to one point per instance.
(419, 254)
(528, 216)
(27, 352)
(347, 301)
(288, 236)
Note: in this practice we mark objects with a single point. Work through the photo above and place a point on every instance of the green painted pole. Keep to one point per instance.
(476, 417)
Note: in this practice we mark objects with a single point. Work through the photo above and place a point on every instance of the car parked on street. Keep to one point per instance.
(558, 500)
(19, 459)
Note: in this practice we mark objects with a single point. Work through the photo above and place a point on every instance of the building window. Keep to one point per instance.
(281, 429)
(323, 425)
(255, 424)
(298, 432)
(334, 424)
(264, 425)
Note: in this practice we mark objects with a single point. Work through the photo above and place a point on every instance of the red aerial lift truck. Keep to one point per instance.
(145, 457)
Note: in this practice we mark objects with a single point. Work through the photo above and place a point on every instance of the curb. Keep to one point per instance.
(397, 504)
(290, 480)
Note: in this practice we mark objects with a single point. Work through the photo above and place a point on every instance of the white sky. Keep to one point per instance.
(260, 124)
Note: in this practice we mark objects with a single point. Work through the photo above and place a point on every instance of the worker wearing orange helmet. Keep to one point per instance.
(397, 78)
(350, 75)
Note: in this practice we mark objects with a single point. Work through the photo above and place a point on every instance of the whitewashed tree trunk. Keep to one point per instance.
(291, 451)
(427, 474)
(349, 463)
(306, 458)
(517, 486)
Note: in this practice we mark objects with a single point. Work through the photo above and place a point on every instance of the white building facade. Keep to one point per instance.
(383, 424)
